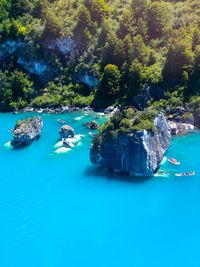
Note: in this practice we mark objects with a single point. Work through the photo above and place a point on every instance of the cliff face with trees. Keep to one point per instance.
(98, 52)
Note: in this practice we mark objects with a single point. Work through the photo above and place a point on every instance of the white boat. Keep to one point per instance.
(61, 121)
(92, 134)
(174, 161)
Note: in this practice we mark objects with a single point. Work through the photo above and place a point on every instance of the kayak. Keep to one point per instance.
(185, 174)
(174, 161)
(61, 121)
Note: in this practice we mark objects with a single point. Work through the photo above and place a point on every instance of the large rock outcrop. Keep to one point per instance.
(138, 153)
(92, 125)
(26, 131)
(66, 131)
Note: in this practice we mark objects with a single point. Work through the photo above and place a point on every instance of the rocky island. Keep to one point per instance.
(66, 131)
(26, 131)
(132, 142)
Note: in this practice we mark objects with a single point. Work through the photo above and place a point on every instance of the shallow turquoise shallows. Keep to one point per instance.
(57, 210)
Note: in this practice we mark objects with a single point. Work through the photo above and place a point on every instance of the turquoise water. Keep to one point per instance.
(57, 210)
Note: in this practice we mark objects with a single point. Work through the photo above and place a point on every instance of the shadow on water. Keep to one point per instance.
(109, 175)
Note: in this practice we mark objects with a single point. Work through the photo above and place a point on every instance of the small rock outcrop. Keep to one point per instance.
(178, 128)
(66, 131)
(93, 125)
(26, 131)
(110, 110)
(137, 152)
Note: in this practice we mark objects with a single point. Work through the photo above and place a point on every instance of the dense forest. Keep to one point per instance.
(99, 53)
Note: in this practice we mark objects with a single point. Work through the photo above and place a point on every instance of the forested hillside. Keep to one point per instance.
(98, 52)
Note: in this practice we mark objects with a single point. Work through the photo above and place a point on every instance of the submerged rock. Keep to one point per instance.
(138, 153)
(26, 131)
(93, 125)
(66, 131)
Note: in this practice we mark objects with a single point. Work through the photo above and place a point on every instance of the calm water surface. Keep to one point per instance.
(57, 210)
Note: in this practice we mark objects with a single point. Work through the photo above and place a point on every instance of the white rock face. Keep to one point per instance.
(156, 145)
(179, 128)
(64, 45)
(10, 47)
(90, 80)
(33, 67)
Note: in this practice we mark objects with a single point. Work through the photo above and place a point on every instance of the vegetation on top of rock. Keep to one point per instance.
(27, 121)
(128, 121)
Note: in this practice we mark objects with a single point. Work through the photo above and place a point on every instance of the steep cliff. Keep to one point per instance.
(137, 152)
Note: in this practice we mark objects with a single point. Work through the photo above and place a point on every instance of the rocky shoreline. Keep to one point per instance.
(66, 109)
(183, 121)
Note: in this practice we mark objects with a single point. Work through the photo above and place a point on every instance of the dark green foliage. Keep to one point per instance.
(57, 95)
(128, 121)
(125, 45)
(15, 90)
(109, 86)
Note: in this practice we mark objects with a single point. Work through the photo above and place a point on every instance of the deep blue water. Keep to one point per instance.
(57, 210)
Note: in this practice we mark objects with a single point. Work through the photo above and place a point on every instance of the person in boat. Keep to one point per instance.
(174, 161)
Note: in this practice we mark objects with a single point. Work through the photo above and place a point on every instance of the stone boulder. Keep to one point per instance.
(93, 125)
(180, 128)
(66, 131)
(110, 110)
(26, 131)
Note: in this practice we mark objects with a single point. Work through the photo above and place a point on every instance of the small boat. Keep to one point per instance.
(174, 161)
(92, 134)
(61, 121)
(185, 174)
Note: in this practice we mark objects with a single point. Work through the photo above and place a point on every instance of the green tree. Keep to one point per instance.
(20, 7)
(109, 86)
(98, 9)
(179, 62)
(160, 19)
(5, 6)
